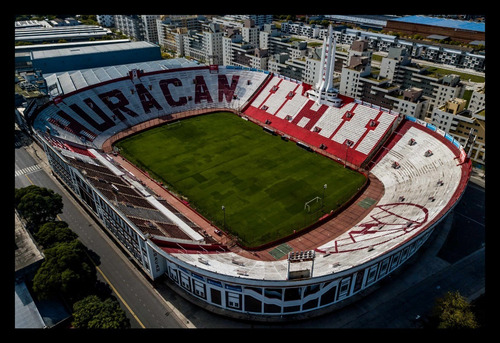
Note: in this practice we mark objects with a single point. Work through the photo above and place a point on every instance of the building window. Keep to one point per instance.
(215, 296)
(394, 261)
(359, 280)
(272, 293)
(383, 267)
(372, 274)
(310, 304)
(252, 304)
(310, 290)
(329, 296)
(292, 294)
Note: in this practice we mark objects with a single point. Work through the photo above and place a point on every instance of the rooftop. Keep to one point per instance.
(27, 253)
(68, 81)
(442, 22)
(83, 50)
(59, 32)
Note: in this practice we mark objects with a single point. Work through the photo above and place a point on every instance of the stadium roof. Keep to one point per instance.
(65, 82)
(442, 22)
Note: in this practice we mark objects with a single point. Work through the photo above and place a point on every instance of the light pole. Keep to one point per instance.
(323, 199)
(224, 211)
(346, 148)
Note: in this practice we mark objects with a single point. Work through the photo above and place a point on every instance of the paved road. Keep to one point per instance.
(453, 259)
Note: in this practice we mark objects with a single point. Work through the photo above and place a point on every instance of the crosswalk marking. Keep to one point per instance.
(27, 170)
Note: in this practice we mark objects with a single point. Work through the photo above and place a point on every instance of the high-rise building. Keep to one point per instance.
(139, 27)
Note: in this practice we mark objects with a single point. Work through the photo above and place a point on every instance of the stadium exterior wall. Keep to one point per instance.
(241, 296)
(238, 297)
(316, 296)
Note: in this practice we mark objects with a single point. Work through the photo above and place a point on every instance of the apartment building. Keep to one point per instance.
(410, 102)
(172, 38)
(446, 87)
(139, 27)
(205, 46)
(130, 25)
(477, 110)
(259, 20)
(300, 29)
(150, 28)
(438, 88)
(250, 32)
(236, 52)
(106, 20)
(311, 70)
(262, 31)
(467, 127)
(461, 57)
(391, 65)
(477, 100)
(385, 87)
(477, 127)
(172, 30)
(357, 71)
(445, 117)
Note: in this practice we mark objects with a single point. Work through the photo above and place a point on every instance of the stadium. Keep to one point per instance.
(402, 177)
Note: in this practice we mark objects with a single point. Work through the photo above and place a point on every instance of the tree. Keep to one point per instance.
(54, 232)
(93, 313)
(37, 204)
(65, 271)
(453, 311)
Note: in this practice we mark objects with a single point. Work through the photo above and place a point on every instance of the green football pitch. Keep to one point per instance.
(269, 187)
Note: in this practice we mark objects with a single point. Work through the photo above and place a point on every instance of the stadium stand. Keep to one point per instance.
(92, 114)
(359, 125)
(431, 175)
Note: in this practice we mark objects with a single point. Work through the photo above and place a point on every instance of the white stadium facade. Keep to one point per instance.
(421, 173)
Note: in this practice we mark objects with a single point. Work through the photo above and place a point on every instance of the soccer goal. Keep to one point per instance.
(313, 205)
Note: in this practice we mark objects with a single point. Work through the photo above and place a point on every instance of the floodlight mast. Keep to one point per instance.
(323, 199)
(301, 256)
(224, 211)
(346, 148)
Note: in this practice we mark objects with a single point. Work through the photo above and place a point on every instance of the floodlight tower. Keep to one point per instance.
(297, 257)
(323, 199)
(224, 211)
(325, 82)
(324, 92)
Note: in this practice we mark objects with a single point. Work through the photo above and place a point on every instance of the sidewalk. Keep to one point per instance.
(478, 176)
